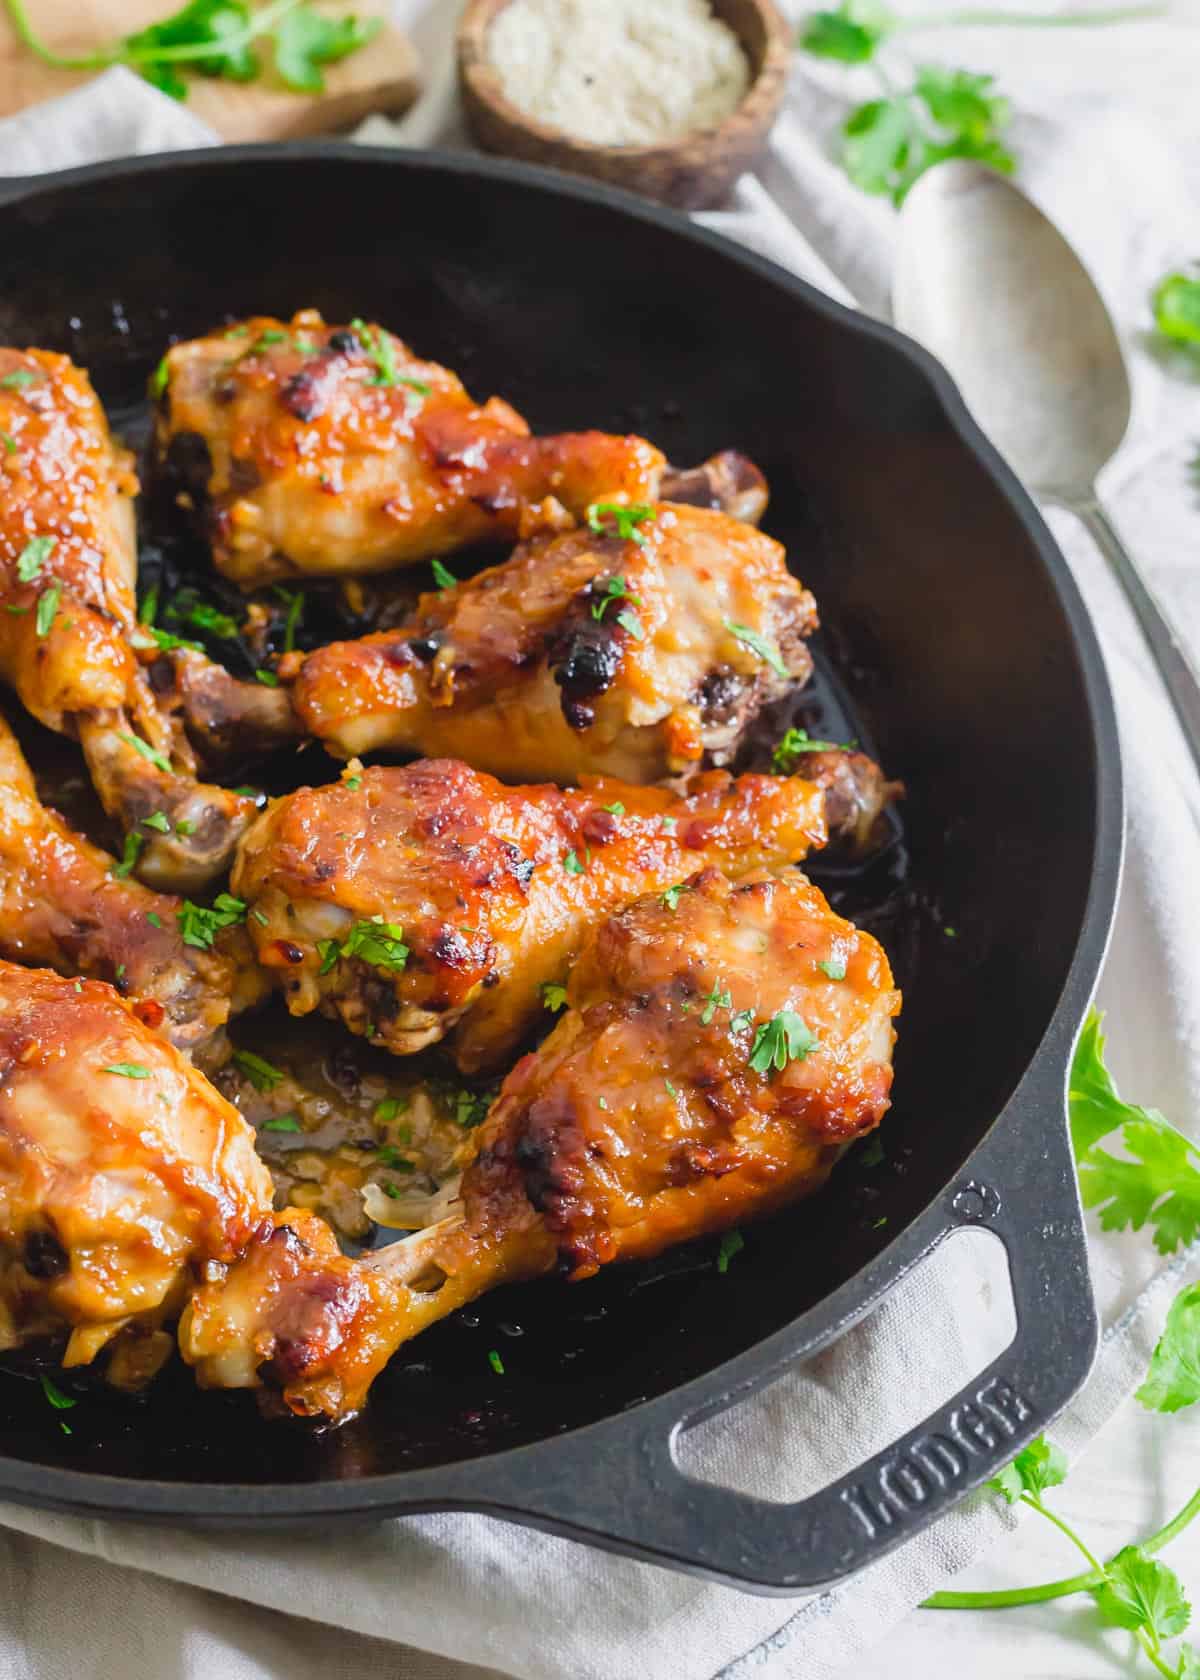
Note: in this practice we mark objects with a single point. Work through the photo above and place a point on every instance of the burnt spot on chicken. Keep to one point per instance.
(584, 656)
(301, 396)
(44, 1256)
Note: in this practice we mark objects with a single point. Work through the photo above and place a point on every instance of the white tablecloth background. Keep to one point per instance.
(1108, 129)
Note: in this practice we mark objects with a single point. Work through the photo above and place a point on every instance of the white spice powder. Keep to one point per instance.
(619, 72)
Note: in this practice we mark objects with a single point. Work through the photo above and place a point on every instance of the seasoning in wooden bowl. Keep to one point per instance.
(672, 98)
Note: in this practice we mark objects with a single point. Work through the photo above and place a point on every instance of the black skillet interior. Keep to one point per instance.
(941, 621)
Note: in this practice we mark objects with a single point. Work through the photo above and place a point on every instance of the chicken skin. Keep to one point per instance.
(68, 632)
(640, 649)
(430, 900)
(715, 1056)
(122, 1174)
(64, 906)
(311, 450)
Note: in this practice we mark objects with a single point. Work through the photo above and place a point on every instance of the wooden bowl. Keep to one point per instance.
(691, 173)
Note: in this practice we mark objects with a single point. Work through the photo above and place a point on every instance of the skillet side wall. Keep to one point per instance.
(957, 653)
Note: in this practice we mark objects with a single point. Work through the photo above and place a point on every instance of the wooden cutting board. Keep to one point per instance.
(382, 76)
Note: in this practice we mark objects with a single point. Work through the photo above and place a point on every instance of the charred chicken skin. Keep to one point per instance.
(68, 634)
(123, 1174)
(430, 900)
(65, 905)
(640, 650)
(715, 1056)
(309, 449)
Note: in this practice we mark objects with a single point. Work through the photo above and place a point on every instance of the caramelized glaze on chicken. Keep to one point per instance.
(714, 1057)
(69, 625)
(428, 900)
(122, 1174)
(62, 906)
(312, 450)
(587, 653)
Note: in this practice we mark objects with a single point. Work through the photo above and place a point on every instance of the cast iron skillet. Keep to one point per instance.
(957, 627)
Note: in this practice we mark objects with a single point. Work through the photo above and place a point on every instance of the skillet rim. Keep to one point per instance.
(449, 1486)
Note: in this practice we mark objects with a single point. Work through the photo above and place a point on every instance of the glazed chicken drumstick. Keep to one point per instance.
(714, 1058)
(68, 631)
(309, 449)
(639, 649)
(122, 1175)
(62, 906)
(430, 900)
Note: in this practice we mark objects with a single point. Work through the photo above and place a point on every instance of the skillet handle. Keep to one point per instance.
(626, 1491)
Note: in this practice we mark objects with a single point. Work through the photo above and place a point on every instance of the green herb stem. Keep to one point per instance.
(121, 53)
(1009, 1597)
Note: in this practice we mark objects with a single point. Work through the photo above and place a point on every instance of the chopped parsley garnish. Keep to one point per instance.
(495, 1361)
(267, 678)
(632, 625)
(718, 998)
(390, 1156)
(185, 827)
(127, 1070)
(624, 520)
(19, 379)
(1176, 303)
(950, 933)
(673, 894)
(442, 575)
(616, 809)
(158, 379)
(614, 589)
(36, 551)
(261, 1074)
(388, 1109)
(602, 1102)
(379, 943)
(784, 1038)
(9, 442)
(742, 1021)
(282, 1123)
(202, 615)
(732, 1243)
(554, 996)
(153, 917)
(47, 608)
(199, 925)
(159, 760)
(148, 611)
(470, 1107)
(166, 642)
(669, 825)
(834, 967)
(157, 820)
(572, 864)
(129, 856)
(763, 646)
(118, 973)
(293, 599)
(381, 347)
(352, 782)
(60, 1401)
(671, 1091)
(794, 744)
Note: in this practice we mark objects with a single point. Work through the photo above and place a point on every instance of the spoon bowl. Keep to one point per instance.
(987, 282)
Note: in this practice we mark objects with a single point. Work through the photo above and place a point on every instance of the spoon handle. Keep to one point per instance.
(1164, 641)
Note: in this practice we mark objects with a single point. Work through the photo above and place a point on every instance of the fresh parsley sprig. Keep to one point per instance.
(889, 142)
(217, 38)
(1176, 305)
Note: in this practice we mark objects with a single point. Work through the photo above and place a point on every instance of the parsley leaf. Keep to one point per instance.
(1173, 1380)
(30, 560)
(785, 1038)
(616, 809)
(889, 143)
(127, 1070)
(833, 967)
(442, 575)
(305, 40)
(129, 856)
(793, 745)
(732, 1243)
(718, 998)
(18, 379)
(495, 1361)
(672, 895)
(632, 625)
(261, 1074)
(157, 820)
(282, 1123)
(199, 926)
(850, 34)
(376, 942)
(763, 646)
(60, 1401)
(1141, 1592)
(610, 519)
(614, 589)
(1160, 1186)
(1176, 304)
(159, 760)
(388, 1108)
(554, 996)
(572, 864)
(47, 608)
(1038, 1466)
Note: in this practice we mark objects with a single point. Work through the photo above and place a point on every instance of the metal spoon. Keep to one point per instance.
(994, 290)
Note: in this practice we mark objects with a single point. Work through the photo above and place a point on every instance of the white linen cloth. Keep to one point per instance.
(1107, 129)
